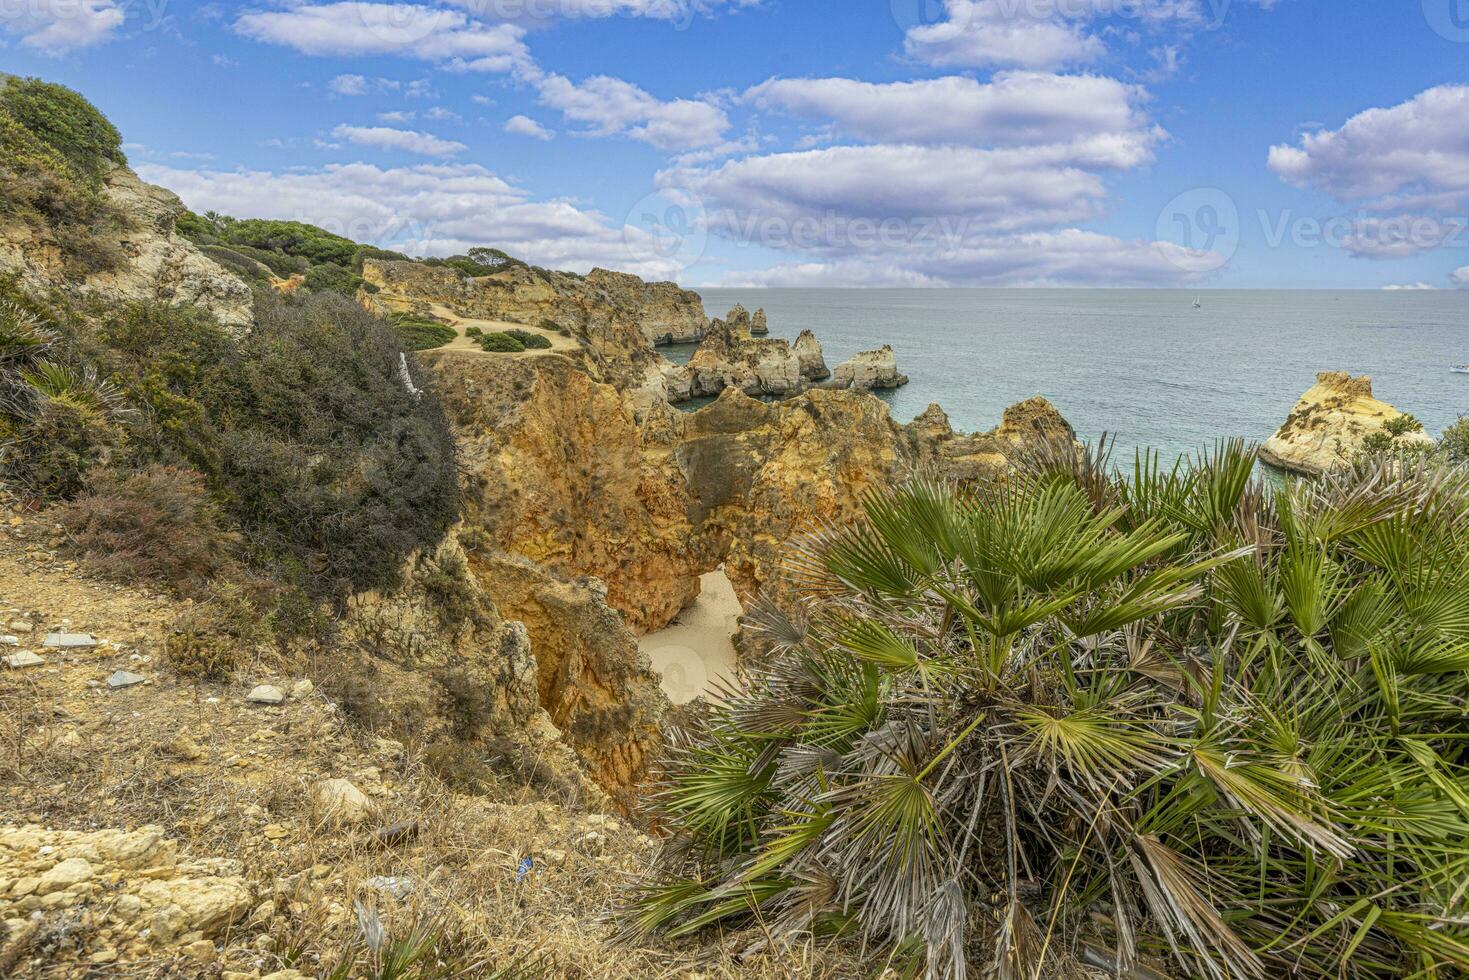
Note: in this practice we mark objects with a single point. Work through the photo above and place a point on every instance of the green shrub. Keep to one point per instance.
(247, 268)
(156, 524)
(1172, 713)
(297, 238)
(501, 343)
(530, 341)
(65, 122)
(1401, 425)
(473, 332)
(214, 639)
(319, 385)
(420, 333)
(333, 278)
(54, 149)
(283, 265)
(1455, 442)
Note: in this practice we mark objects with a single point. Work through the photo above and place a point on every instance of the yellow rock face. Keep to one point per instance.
(1329, 425)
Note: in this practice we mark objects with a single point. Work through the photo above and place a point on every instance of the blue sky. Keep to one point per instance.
(1166, 143)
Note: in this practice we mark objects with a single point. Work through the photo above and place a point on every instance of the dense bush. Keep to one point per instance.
(213, 639)
(1455, 442)
(302, 429)
(500, 343)
(1401, 425)
(1074, 716)
(54, 148)
(57, 417)
(327, 458)
(64, 122)
(249, 269)
(421, 333)
(333, 278)
(297, 238)
(530, 341)
(156, 524)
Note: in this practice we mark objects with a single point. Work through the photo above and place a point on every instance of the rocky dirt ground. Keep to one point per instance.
(173, 829)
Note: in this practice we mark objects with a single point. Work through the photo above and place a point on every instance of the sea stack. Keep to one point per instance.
(1331, 424)
(869, 370)
(813, 362)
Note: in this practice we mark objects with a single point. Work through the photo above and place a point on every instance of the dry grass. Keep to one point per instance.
(230, 780)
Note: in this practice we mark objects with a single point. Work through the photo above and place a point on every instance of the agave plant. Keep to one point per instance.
(23, 336)
(1075, 717)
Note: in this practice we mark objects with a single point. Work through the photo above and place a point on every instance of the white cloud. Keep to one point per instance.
(998, 190)
(990, 33)
(1069, 257)
(348, 85)
(441, 114)
(1410, 287)
(526, 126)
(1419, 149)
(963, 183)
(396, 116)
(434, 34)
(1460, 277)
(1406, 168)
(612, 107)
(406, 140)
(1015, 108)
(428, 209)
(56, 27)
(1049, 34)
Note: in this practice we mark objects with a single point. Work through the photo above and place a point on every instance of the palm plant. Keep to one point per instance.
(1075, 717)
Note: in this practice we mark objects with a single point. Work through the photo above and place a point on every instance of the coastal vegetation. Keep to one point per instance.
(54, 150)
(1079, 717)
(260, 250)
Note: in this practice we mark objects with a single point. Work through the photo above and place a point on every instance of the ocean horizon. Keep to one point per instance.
(1141, 365)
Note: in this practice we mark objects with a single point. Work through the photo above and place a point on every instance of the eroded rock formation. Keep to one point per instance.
(759, 326)
(868, 371)
(813, 362)
(729, 358)
(157, 263)
(1331, 424)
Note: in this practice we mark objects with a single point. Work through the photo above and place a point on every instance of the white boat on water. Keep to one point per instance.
(1198, 303)
(1460, 369)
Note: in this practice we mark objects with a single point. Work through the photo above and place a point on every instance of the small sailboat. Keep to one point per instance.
(1460, 369)
(1198, 303)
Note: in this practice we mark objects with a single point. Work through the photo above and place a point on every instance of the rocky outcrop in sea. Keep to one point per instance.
(1333, 422)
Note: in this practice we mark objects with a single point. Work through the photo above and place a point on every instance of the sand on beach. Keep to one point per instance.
(696, 650)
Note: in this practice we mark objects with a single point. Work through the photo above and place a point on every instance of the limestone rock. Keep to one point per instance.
(72, 871)
(70, 641)
(266, 694)
(813, 362)
(120, 679)
(728, 358)
(759, 326)
(1330, 424)
(564, 474)
(340, 801)
(1024, 426)
(23, 659)
(302, 689)
(868, 370)
(598, 688)
(159, 265)
(738, 321)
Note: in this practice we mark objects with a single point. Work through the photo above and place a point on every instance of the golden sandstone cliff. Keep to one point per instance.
(1333, 422)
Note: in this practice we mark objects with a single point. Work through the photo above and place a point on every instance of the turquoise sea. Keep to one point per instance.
(1143, 365)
